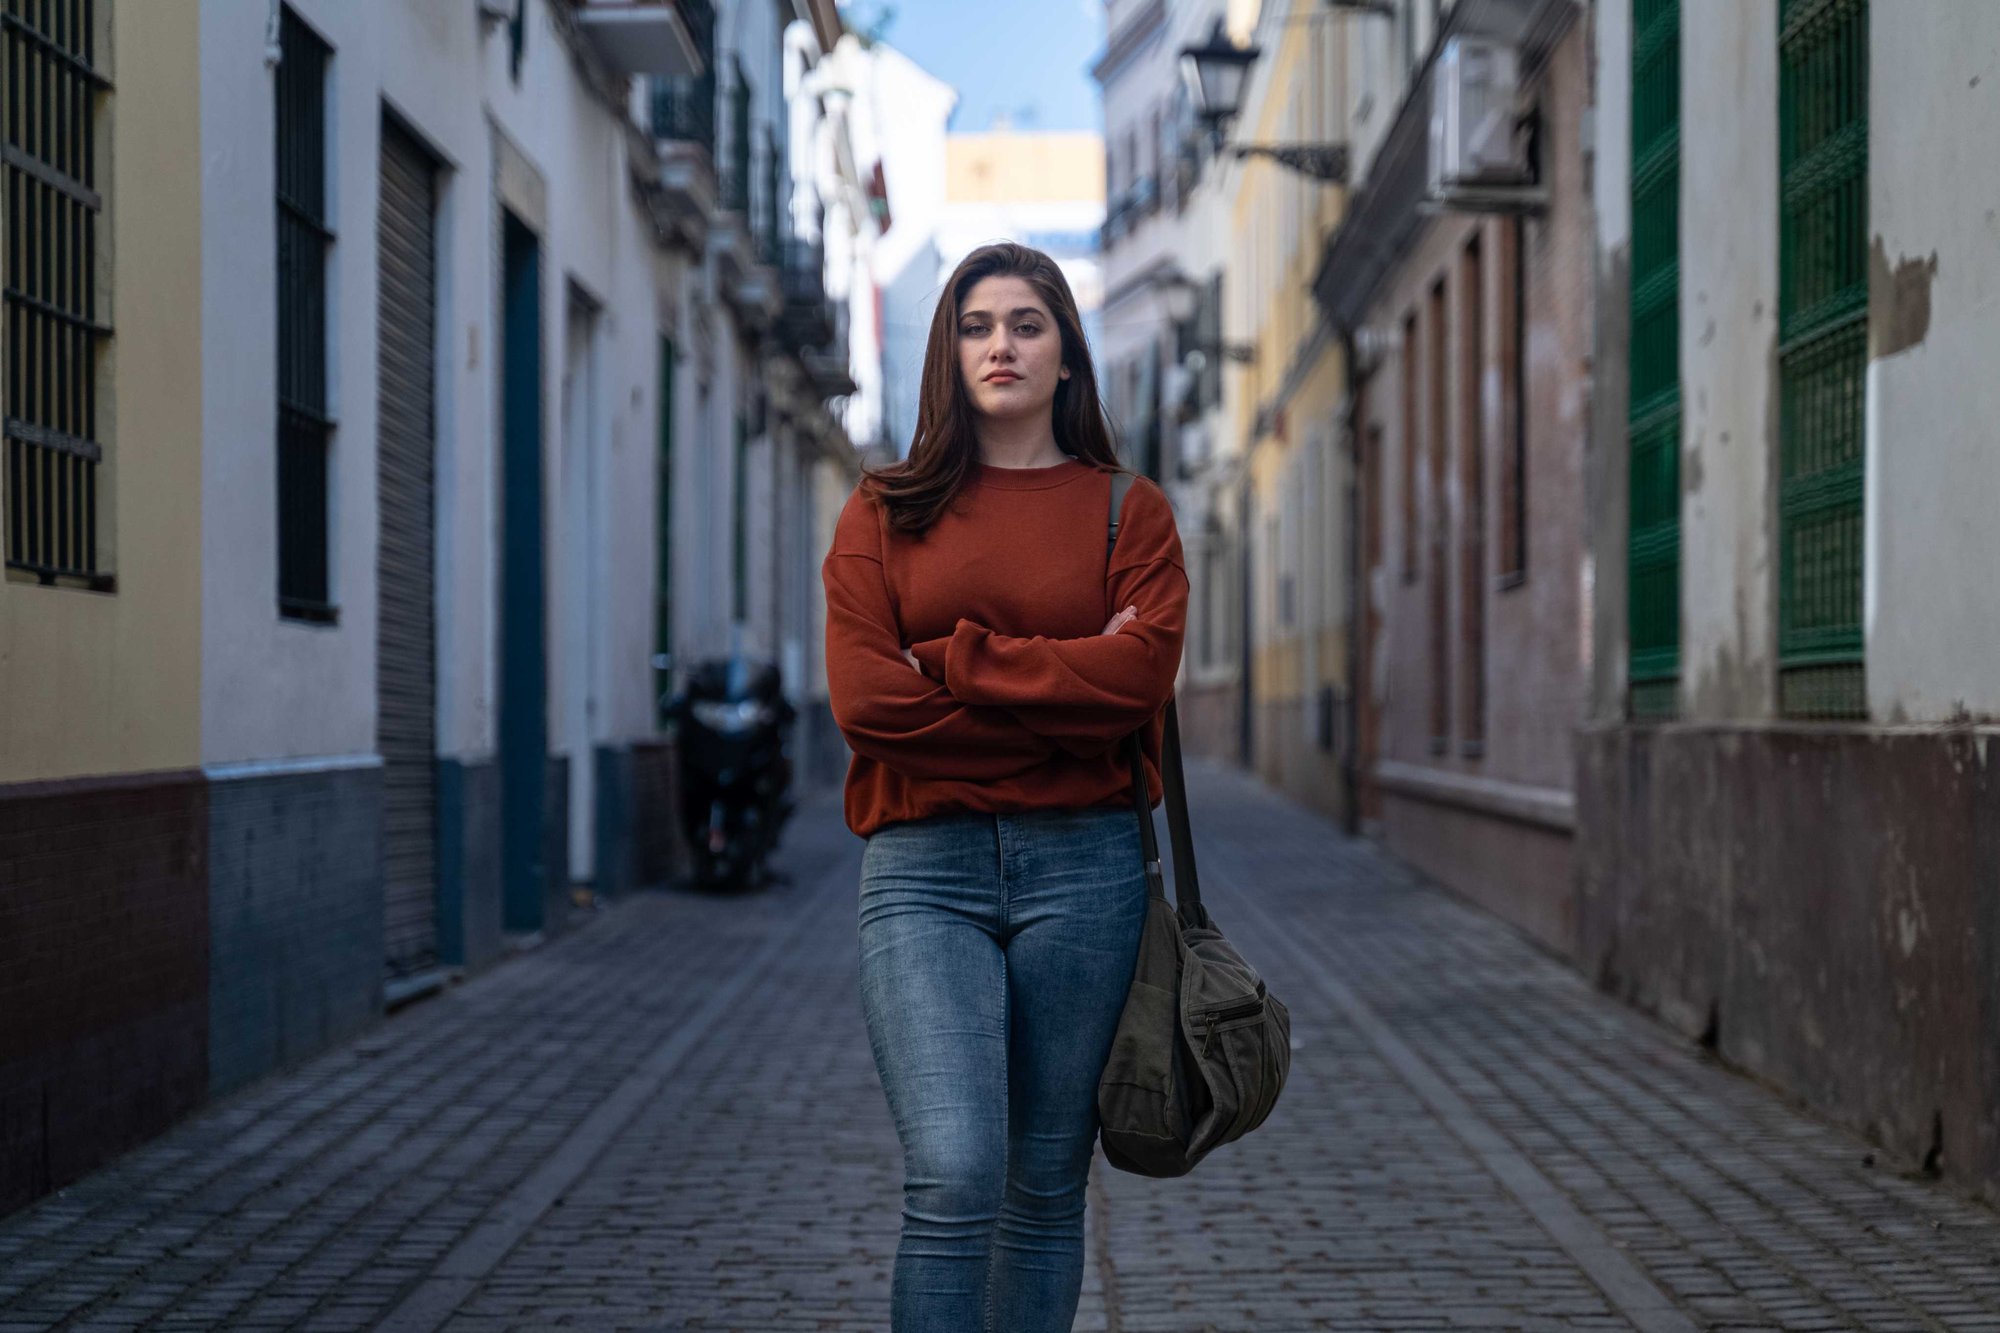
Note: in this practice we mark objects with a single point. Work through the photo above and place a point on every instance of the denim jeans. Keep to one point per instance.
(996, 951)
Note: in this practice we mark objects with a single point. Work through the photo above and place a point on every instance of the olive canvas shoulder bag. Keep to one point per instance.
(1202, 1048)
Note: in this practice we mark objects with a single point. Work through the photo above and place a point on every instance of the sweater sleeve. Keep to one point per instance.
(887, 710)
(1087, 694)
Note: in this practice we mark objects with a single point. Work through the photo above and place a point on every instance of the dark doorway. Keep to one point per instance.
(523, 606)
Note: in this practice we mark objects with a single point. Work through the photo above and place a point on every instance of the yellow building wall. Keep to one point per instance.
(1280, 220)
(99, 683)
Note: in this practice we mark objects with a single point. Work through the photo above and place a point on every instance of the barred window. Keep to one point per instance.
(55, 341)
(305, 424)
(1653, 409)
(1822, 352)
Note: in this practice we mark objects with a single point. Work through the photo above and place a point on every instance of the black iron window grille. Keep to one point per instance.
(55, 342)
(305, 424)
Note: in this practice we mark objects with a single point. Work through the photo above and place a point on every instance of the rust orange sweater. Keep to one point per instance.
(1023, 703)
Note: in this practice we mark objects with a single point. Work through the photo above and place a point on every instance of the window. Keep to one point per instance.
(54, 339)
(305, 423)
(1210, 316)
(1653, 422)
(1822, 352)
(684, 107)
(1440, 569)
(1511, 331)
(736, 177)
(1159, 165)
(1410, 438)
(739, 523)
(1211, 570)
(774, 203)
(1472, 493)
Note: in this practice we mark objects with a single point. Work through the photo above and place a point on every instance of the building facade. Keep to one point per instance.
(1786, 796)
(1470, 324)
(411, 398)
(1164, 260)
(104, 812)
(1288, 475)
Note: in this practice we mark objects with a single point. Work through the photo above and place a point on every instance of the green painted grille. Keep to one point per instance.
(1822, 351)
(1654, 422)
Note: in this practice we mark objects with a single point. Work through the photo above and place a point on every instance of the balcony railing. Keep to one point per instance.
(684, 107)
(807, 320)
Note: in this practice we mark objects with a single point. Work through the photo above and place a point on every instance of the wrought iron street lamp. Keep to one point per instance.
(1181, 295)
(1216, 72)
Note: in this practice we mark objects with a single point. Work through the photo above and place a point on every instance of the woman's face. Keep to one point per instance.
(1009, 349)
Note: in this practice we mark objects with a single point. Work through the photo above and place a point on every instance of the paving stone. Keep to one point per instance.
(586, 1137)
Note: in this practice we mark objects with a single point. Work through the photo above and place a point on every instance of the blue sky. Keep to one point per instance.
(1029, 59)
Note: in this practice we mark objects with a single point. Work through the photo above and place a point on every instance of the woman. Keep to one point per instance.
(986, 696)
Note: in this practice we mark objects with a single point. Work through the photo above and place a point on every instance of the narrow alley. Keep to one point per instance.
(668, 1120)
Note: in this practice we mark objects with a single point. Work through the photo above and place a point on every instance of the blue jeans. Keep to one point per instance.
(996, 951)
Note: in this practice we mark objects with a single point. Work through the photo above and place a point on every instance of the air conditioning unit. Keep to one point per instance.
(1475, 139)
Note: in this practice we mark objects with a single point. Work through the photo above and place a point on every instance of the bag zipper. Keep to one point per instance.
(1215, 1016)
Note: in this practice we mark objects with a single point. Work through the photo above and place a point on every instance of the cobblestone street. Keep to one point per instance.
(669, 1120)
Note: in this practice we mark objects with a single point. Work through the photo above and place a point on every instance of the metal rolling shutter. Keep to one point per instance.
(406, 634)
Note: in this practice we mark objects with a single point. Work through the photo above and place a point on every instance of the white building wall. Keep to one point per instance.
(600, 328)
(1932, 611)
(278, 689)
(273, 688)
(905, 121)
(1729, 321)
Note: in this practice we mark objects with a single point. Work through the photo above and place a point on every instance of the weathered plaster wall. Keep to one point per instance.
(1729, 322)
(1932, 614)
(1819, 901)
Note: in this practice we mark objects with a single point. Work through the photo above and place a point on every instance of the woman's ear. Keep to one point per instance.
(1063, 374)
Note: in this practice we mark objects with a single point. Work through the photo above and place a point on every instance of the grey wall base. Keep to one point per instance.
(617, 870)
(469, 888)
(295, 916)
(1820, 902)
(555, 845)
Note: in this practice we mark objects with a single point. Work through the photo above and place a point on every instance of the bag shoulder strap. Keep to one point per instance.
(1121, 482)
(1187, 887)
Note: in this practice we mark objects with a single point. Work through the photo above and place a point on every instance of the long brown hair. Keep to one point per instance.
(916, 489)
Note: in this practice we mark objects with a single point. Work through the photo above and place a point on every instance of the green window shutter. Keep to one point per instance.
(1654, 410)
(1822, 352)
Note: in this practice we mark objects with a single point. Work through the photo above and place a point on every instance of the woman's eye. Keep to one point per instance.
(972, 330)
(1030, 329)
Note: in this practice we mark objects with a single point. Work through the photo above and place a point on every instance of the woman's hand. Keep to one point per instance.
(1111, 626)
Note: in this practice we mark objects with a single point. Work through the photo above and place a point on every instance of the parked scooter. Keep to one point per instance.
(735, 767)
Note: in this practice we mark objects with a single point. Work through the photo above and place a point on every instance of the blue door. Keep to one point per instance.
(523, 608)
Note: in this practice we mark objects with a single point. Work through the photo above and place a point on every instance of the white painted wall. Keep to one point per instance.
(901, 116)
(1729, 319)
(1933, 477)
(273, 688)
